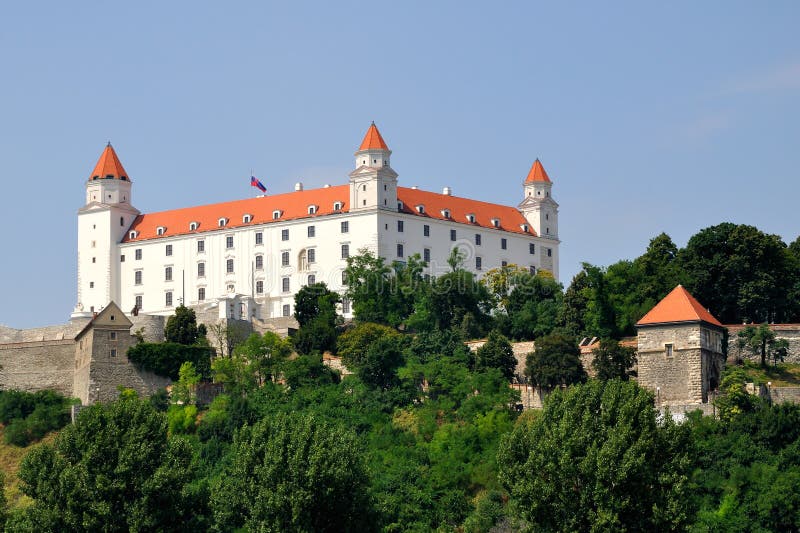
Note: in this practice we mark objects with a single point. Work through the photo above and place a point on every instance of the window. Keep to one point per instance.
(284, 234)
(192, 226)
(344, 277)
(231, 288)
(312, 209)
(137, 254)
(504, 243)
(259, 287)
(286, 309)
(285, 284)
(426, 255)
(337, 206)
(531, 248)
(259, 262)
(133, 234)
(496, 222)
(312, 279)
(426, 230)
(91, 284)
(222, 222)
(524, 227)
(478, 263)
(94, 260)
(201, 294)
(201, 270)
(113, 352)
(400, 226)
(477, 239)
(168, 299)
(345, 305)
(471, 218)
(345, 251)
(547, 216)
(246, 219)
(399, 250)
(259, 238)
(504, 263)
(229, 241)
(421, 209)
(121, 221)
(312, 255)
(312, 231)
(122, 258)
(138, 303)
(276, 215)
(452, 234)
(345, 226)
(137, 277)
(285, 259)
(168, 274)
(229, 266)
(113, 335)
(549, 252)
(668, 350)
(168, 250)
(201, 246)
(363, 187)
(160, 230)
(532, 270)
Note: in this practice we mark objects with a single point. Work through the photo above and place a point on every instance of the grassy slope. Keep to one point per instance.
(784, 375)
(10, 459)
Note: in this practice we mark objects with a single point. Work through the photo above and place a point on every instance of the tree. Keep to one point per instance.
(181, 327)
(227, 335)
(294, 472)
(317, 336)
(611, 360)
(115, 469)
(353, 344)
(501, 281)
(458, 300)
(253, 363)
(185, 390)
(597, 460)
(555, 362)
(534, 305)
(758, 339)
(496, 353)
(313, 301)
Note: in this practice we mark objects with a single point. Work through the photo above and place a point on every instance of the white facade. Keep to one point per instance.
(260, 267)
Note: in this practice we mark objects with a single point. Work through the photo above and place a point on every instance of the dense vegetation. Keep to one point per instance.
(424, 435)
(30, 416)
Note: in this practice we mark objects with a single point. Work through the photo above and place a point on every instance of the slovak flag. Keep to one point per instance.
(257, 184)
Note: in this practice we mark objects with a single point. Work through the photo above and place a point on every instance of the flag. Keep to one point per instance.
(257, 184)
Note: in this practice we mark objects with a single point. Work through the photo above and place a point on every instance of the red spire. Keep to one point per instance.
(678, 306)
(537, 173)
(108, 166)
(373, 140)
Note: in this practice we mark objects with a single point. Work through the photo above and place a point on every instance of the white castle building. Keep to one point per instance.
(249, 257)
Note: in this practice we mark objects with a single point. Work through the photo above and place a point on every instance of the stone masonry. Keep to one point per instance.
(790, 332)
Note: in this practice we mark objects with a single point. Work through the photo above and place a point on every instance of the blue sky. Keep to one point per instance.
(649, 117)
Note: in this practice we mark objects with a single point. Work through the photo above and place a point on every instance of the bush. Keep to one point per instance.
(30, 416)
(182, 419)
(166, 358)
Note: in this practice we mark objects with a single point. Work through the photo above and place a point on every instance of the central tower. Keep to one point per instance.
(373, 184)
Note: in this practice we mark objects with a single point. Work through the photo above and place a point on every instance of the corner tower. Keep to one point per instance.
(538, 206)
(373, 184)
(102, 222)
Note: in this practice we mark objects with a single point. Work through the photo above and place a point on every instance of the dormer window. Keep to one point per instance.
(160, 230)
(471, 218)
(524, 227)
(222, 222)
(337, 206)
(399, 206)
(246, 219)
(446, 213)
(496, 222)
(421, 209)
(276, 214)
(312, 210)
(133, 234)
(193, 226)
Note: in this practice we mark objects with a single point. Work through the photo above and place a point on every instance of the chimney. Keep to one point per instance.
(298, 186)
(447, 191)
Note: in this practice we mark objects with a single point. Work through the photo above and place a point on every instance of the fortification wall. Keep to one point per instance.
(521, 350)
(677, 379)
(38, 365)
(151, 326)
(790, 332)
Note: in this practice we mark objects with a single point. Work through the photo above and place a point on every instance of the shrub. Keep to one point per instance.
(30, 416)
(182, 418)
(166, 358)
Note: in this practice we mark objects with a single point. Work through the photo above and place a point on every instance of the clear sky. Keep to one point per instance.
(648, 116)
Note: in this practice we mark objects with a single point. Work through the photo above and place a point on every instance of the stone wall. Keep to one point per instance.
(521, 350)
(33, 366)
(790, 332)
(151, 327)
(675, 379)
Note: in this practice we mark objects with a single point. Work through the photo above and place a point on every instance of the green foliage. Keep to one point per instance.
(734, 400)
(533, 306)
(611, 360)
(317, 336)
(313, 301)
(596, 460)
(556, 362)
(3, 502)
(353, 344)
(30, 416)
(184, 391)
(258, 360)
(294, 473)
(160, 400)
(113, 470)
(458, 301)
(496, 353)
(181, 327)
(182, 419)
(165, 358)
(761, 341)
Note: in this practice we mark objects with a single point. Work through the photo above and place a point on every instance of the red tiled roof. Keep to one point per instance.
(373, 140)
(108, 166)
(294, 205)
(678, 306)
(537, 173)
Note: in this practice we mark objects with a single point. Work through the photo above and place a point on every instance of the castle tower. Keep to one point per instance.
(102, 223)
(373, 184)
(679, 350)
(538, 206)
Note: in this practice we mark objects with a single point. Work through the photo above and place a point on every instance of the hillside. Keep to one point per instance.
(10, 459)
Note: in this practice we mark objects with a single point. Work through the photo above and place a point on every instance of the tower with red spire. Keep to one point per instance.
(102, 223)
(538, 206)
(373, 184)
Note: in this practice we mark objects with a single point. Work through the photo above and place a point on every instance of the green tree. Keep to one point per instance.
(758, 340)
(313, 301)
(611, 360)
(317, 336)
(733, 399)
(597, 460)
(181, 327)
(496, 353)
(115, 469)
(555, 362)
(294, 472)
(533, 306)
(185, 390)
(353, 344)
(458, 301)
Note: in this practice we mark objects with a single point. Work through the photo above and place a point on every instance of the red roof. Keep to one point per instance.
(373, 140)
(678, 306)
(537, 173)
(294, 205)
(108, 166)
